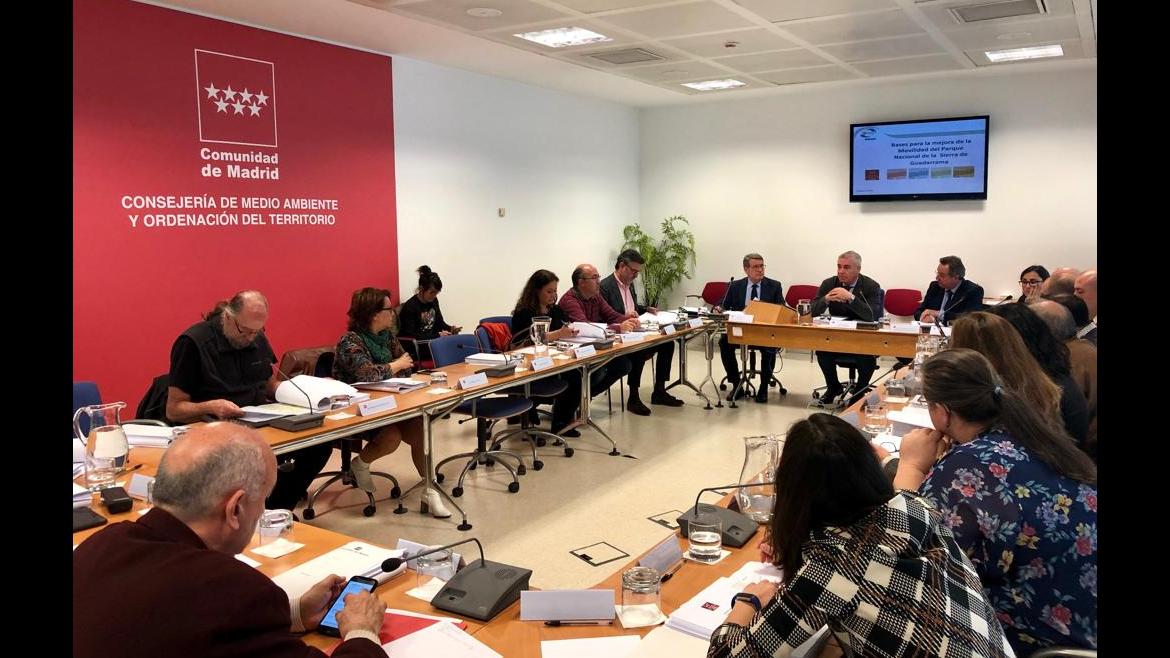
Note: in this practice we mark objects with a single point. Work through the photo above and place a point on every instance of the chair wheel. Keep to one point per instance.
(568, 451)
(472, 467)
(308, 513)
(369, 510)
(439, 478)
(457, 492)
(723, 387)
(783, 391)
(395, 492)
(537, 465)
(540, 441)
(521, 469)
(513, 487)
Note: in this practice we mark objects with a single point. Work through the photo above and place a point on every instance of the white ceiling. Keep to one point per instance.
(777, 42)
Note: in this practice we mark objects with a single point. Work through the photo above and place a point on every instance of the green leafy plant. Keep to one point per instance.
(668, 261)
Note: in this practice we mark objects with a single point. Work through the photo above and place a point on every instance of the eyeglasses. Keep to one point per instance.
(758, 266)
(1030, 282)
(245, 332)
(586, 278)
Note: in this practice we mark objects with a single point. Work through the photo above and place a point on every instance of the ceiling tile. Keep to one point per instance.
(582, 56)
(676, 71)
(454, 12)
(774, 61)
(789, 10)
(940, 13)
(908, 65)
(594, 6)
(678, 20)
(854, 28)
(918, 44)
(815, 74)
(750, 41)
(1005, 34)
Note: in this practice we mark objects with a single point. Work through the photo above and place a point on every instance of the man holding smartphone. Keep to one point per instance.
(169, 585)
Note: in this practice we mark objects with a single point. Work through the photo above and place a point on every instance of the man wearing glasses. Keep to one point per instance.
(950, 294)
(753, 286)
(225, 362)
(618, 291)
(584, 303)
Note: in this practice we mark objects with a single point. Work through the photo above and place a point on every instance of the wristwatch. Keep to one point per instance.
(750, 599)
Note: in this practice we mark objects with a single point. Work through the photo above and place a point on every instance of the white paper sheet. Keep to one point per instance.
(317, 389)
(669, 642)
(353, 559)
(439, 640)
(278, 548)
(618, 646)
(592, 330)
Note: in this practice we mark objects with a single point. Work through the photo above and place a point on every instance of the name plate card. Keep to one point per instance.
(371, 407)
(668, 329)
(663, 556)
(471, 381)
(632, 337)
(567, 604)
(582, 352)
(695, 322)
(541, 363)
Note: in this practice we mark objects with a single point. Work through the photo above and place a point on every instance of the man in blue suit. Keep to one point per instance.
(754, 286)
(950, 294)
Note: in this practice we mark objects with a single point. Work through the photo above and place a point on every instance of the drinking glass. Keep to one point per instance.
(804, 311)
(876, 418)
(705, 536)
(436, 565)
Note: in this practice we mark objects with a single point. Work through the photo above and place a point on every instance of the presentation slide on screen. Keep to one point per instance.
(935, 157)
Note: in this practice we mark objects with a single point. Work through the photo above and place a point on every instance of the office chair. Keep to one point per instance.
(450, 350)
(902, 301)
(324, 368)
(713, 292)
(796, 293)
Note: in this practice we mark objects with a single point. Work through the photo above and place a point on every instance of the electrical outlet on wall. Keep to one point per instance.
(501, 212)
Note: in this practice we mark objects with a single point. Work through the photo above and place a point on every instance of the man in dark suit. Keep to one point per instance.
(617, 290)
(753, 286)
(950, 294)
(168, 584)
(854, 296)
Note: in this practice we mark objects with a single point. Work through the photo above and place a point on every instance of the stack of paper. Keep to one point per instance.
(150, 436)
(708, 609)
(81, 496)
(659, 318)
(306, 389)
(439, 640)
(590, 330)
(265, 412)
(487, 359)
(393, 385)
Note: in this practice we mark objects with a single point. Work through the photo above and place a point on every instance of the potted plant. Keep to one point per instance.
(667, 261)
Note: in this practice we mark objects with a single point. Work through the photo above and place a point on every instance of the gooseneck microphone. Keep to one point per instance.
(723, 301)
(480, 590)
(869, 308)
(301, 421)
(738, 528)
(1006, 298)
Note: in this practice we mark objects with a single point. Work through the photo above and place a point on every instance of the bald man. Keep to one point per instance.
(224, 363)
(1082, 356)
(584, 303)
(168, 584)
(1061, 282)
(1085, 287)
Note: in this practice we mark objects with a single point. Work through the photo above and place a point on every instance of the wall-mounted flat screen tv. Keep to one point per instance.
(924, 159)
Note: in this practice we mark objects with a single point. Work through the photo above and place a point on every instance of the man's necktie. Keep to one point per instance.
(755, 291)
(946, 302)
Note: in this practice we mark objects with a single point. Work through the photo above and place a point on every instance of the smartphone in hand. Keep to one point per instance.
(356, 584)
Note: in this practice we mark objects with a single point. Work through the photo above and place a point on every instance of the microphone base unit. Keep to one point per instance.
(737, 528)
(299, 422)
(482, 589)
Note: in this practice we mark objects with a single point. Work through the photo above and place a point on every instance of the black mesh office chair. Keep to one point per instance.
(324, 368)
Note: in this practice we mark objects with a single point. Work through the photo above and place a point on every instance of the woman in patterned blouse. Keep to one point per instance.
(879, 567)
(1019, 496)
(369, 352)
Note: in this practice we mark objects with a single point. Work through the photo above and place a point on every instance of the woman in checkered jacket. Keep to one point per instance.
(880, 568)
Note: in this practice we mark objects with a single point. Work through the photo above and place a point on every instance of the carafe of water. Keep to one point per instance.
(539, 333)
(761, 456)
(99, 427)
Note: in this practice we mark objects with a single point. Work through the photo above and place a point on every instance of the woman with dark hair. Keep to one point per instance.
(1020, 498)
(1054, 357)
(420, 317)
(539, 298)
(879, 567)
(369, 352)
(1031, 279)
(997, 340)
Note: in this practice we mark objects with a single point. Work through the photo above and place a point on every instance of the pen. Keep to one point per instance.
(557, 622)
(133, 468)
(666, 576)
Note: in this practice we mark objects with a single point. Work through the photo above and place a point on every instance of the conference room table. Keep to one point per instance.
(505, 634)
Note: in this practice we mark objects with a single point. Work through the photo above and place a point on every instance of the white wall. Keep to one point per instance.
(771, 175)
(564, 167)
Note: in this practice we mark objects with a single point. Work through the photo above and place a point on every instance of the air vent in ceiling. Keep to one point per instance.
(628, 56)
(988, 11)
